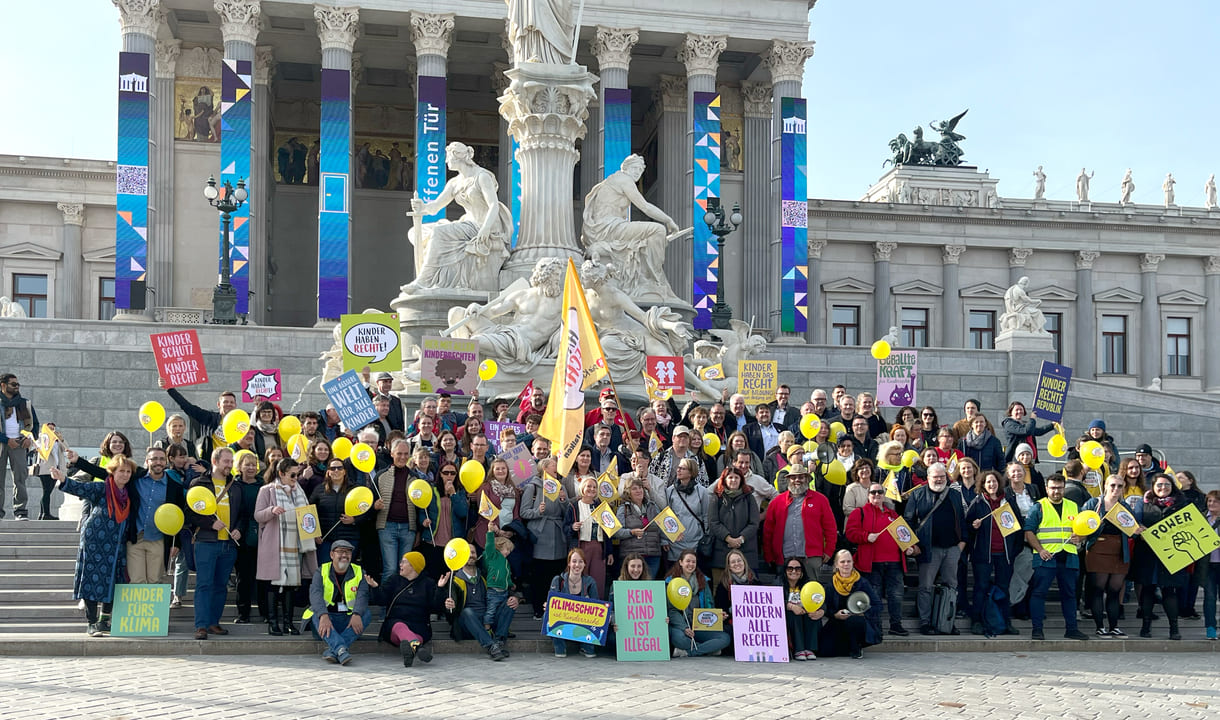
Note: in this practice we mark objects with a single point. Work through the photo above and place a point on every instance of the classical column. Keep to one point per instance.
(1016, 263)
(673, 195)
(701, 55)
(786, 61)
(68, 290)
(1085, 363)
(504, 173)
(338, 28)
(262, 181)
(953, 336)
(761, 277)
(815, 329)
(1211, 325)
(881, 288)
(591, 153)
(161, 189)
(612, 46)
(1150, 320)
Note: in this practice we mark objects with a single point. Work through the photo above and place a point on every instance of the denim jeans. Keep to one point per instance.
(997, 572)
(942, 563)
(341, 634)
(182, 574)
(397, 539)
(1044, 575)
(472, 624)
(496, 600)
(706, 642)
(803, 632)
(213, 562)
(886, 578)
(1211, 587)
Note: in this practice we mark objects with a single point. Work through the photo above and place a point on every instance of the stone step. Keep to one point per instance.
(32, 552)
(8, 525)
(13, 569)
(39, 580)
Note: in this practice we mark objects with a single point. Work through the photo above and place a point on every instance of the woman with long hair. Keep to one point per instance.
(1108, 558)
(1163, 500)
(863, 474)
(639, 536)
(550, 522)
(313, 468)
(683, 638)
(575, 581)
(991, 553)
(285, 558)
(733, 521)
(1133, 479)
(330, 498)
(803, 626)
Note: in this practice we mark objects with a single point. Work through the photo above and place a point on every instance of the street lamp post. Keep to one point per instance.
(226, 200)
(716, 222)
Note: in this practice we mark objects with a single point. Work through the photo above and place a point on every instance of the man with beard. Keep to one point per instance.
(339, 599)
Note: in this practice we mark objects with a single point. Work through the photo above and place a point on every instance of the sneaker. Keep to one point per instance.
(800, 655)
(857, 655)
(242, 620)
(1211, 633)
(1037, 635)
(1117, 632)
(496, 651)
(588, 651)
(21, 517)
(1103, 633)
(679, 653)
(329, 656)
(1075, 635)
(408, 653)
(1010, 630)
(1145, 634)
(175, 603)
(424, 652)
(899, 630)
(343, 656)
(561, 653)
(93, 631)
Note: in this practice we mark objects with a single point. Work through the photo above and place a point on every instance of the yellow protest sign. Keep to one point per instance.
(307, 522)
(712, 372)
(669, 523)
(1005, 519)
(707, 619)
(1121, 518)
(1181, 538)
(757, 380)
(891, 487)
(605, 517)
(486, 508)
(902, 532)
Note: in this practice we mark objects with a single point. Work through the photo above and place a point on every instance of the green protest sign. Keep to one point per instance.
(639, 613)
(140, 611)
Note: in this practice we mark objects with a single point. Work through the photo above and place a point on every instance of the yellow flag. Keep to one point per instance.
(486, 508)
(45, 442)
(550, 487)
(903, 534)
(891, 488)
(307, 522)
(1006, 519)
(654, 444)
(669, 523)
(712, 372)
(604, 516)
(652, 390)
(1121, 518)
(607, 487)
(580, 364)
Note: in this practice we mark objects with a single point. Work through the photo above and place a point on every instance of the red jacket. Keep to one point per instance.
(819, 522)
(866, 520)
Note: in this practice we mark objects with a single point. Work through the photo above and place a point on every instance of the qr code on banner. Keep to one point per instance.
(795, 214)
(132, 180)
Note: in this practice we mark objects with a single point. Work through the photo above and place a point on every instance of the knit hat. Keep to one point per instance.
(1145, 449)
(416, 560)
(1023, 447)
(1098, 423)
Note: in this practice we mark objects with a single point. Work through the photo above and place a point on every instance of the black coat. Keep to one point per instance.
(203, 523)
(733, 517)
(408, 601)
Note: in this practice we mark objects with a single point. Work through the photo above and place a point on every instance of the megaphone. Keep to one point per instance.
(858, 603)
(825, 453)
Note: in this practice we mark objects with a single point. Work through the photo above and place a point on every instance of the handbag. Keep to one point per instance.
(705, 540)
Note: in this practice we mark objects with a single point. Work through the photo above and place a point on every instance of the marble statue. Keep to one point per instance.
(1167, 187)
(541, 31)
(628, 333)
(1021, 312)
(1209, 193)
(1082, 185)
(1127, 188)
(636, 248)
(520, 325)
(465, 254)
(731, 152)
(11, 309)
(1039, 184)
(736, 344)
(891, 337)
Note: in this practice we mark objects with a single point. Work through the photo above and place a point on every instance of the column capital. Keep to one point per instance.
(1149, 261)
(432, 33)
(264, 64)
(757, 99)
(1211, 265)
(338, 27)
(670, 93)
(74, 213)
(701, 53)
(1085, 259)
(816, 246)
(1018, 256)
(239, 20)
(612, 46)
(883, 250)
(500, 81)
(951, 254)
(167, 58)
(786, 60)
(139, 17)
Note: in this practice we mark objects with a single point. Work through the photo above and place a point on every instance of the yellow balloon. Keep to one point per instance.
(1092, 454)
(711, 443)
(679, 593)
(881, 349)
(420, 492)
(812, 596)
(909, 458)
(1086, 523)
(457, 552)
(363, 457)
(358, 501)
(1057, 445)
(235, 425)
(168, 519)
(837, 430)
(289, 425)
(471, 475)
(152, 414)
(810, 424)
(341, 448)
(835, 473)
(201, 500)
(297, 447)
(488, 369)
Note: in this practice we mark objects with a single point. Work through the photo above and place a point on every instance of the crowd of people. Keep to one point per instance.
(778, 494)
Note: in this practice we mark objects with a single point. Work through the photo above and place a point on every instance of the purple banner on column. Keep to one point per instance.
(794, 218)
(617, 128)
(707, 185)
(430, 140)
(334, 195)
(514, 190)
(235, 101)
(131, 177)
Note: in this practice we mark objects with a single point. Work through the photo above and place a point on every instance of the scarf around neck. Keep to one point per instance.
(118, 501)
(843, 585)
(976, 442)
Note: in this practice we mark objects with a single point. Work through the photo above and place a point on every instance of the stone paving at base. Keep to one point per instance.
(1059, 685)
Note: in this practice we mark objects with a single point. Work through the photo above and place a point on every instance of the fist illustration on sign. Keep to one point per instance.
(1187, 543)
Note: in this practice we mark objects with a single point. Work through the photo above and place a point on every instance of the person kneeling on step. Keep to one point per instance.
(339, 598)
(410, 599)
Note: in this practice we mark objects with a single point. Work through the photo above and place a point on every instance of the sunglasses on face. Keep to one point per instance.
(294, 475)
(335, 467)
(794, 568)
(876, 492)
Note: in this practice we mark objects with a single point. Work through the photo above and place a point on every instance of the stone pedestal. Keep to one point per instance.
(426, 313)
(546, 107)
(1019, 341)
(925, 185)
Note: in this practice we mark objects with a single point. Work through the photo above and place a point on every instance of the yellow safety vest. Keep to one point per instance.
(328, 588)
(1056, 530)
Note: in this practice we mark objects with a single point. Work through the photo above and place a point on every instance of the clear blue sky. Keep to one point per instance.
(1103, 84)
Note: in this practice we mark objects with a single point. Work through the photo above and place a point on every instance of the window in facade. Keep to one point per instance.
(982, 329)
(845, 324)
(915, 327)
(30, 291)
(1114, 344)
